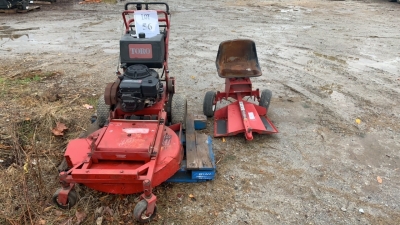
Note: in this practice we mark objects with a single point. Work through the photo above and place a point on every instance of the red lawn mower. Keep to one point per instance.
(236, 62)
(138, 144)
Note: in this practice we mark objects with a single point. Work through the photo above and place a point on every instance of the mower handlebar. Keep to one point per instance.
(139, 5)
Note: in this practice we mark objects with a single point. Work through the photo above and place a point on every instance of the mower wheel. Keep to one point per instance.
(208, 104)
(265, 99)
(103, 111)
(139, 212)
(72, 199)
(171, 85)
(178, 109)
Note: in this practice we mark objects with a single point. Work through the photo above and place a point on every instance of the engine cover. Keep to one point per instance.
(140, 87)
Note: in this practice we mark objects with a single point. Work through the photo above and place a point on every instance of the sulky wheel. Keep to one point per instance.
(140, 212)
(208, 104)
(265, 99)
(72, 199)
(178, 109)
(103, 112)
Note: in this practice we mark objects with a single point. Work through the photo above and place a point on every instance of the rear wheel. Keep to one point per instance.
(265, 99)
(103, 112)
(178, 109)
(208, 104)
(139, 212)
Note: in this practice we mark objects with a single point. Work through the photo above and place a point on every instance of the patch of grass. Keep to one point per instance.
(305, 105)
(110, 1)
(28, 80)
(230, 157)
(93, 101)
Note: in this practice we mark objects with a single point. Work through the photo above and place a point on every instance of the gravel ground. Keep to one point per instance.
(333, 68)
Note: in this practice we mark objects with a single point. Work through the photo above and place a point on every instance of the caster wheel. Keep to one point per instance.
(265, 99)
(140, 212)
(208, 104)
(72, 199)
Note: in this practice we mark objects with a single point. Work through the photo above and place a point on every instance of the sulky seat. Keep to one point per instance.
(237, 58)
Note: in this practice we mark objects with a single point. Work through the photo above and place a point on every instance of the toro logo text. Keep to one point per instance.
(140, 51)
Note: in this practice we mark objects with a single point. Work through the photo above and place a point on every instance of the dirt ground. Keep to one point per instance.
(333, 68)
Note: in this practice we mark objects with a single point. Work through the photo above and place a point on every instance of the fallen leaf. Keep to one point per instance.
(103, 198)
(191, 196)
(58, 212)
(358, 121)
(26, 167)
(87, 106)
(99, 211)
(99, 220)
(59, 129)
(80, 217)
(47, 209)
(42, 222)
(379, 179)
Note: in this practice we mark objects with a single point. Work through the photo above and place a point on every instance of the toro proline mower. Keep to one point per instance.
(236, 62)
(140, 142)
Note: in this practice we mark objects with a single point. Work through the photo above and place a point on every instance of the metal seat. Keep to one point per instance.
(237, 59)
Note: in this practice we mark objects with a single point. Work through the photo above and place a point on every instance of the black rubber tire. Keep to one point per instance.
(168, 107)
(265, 99)
(178, 109)
(23, 5)
(139, 212)
(208, 104)
(103, 111)
(72, 199)
(171, 85)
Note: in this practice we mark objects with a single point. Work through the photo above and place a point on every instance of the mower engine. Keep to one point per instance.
(140, 87)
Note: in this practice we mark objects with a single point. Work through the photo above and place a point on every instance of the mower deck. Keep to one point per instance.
(117, 159)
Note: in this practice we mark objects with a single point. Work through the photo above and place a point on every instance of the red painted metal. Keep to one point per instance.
(241, 116)
(119, 157)
(149, 197)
